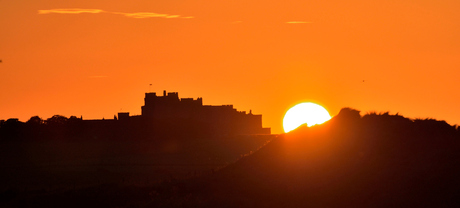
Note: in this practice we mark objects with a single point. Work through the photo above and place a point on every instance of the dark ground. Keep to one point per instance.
(49, 168)
(351, 161)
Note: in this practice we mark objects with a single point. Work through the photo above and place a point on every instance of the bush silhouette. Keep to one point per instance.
(377, 160)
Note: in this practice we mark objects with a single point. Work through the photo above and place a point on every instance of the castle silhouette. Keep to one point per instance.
(166, 116)
(171, 115)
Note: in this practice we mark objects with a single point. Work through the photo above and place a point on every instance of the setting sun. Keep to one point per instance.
(304, 113)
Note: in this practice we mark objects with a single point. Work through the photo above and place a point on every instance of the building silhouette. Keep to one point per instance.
(162, 117)
(191, 115)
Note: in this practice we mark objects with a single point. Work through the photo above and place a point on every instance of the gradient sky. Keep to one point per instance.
(96, 58)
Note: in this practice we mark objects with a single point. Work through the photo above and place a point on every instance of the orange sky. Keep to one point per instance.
(97, 58)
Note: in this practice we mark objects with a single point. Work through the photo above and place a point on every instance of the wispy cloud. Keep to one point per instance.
(137, 15)
(298, 22)
(141, 15)
(70, 11)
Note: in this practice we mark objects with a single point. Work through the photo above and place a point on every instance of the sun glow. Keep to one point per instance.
(304, 113)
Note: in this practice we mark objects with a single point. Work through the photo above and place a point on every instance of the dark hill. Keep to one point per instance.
(375, 160)
(351, 161)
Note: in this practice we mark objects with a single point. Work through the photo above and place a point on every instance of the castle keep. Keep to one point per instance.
(169, 113)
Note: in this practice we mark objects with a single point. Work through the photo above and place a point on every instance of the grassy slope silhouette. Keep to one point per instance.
(351, 161)
(377, 160)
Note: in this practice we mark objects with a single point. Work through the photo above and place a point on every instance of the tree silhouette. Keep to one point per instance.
(11, 129)
(57, 120)
(35, 120)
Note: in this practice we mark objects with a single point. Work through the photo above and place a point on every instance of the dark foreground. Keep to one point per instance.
(83, 169)
(350, 161)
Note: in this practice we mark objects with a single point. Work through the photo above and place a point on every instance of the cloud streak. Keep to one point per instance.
(137, 15)
(70, 11)
(142, 15)
(298, 22)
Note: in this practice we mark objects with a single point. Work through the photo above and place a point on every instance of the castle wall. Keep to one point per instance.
(191, 114)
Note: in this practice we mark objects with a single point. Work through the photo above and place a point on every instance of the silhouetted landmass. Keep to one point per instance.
(166, 116)
(375, 160)
(50, 166)
(173, 138)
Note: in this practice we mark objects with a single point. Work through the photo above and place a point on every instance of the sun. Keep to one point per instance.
(304, 113)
